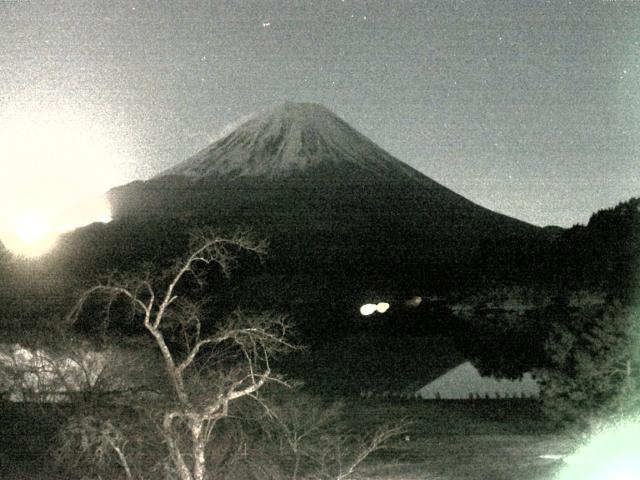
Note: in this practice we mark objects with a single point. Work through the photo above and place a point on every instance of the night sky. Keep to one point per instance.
(528, 108)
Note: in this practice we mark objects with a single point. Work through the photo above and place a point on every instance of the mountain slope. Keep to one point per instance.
(291, 140)
(329, 200)
(302, 156)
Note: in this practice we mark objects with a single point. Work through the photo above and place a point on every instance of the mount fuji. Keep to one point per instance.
(326, 197)
(291, 140)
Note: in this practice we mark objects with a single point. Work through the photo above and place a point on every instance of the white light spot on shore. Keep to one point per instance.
(382, 307)
(367, 309)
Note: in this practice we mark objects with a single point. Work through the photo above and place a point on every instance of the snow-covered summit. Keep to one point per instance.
(293, 139)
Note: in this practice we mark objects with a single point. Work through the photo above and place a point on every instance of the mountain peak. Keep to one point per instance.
(301, 108)
(293, 139)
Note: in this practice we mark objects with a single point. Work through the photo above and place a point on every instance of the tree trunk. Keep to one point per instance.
(296, 466)
(198, 440)
(122, 458)
(174, 449)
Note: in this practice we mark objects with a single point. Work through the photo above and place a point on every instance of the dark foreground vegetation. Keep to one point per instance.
(461, 440)
(185, 395)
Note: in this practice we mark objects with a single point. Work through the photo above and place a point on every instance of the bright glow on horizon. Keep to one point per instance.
(31, 227)
(56, 164)
(29, 234)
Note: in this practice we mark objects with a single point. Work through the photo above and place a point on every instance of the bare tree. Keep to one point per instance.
(240, 349)
(96, 441)
(214, 370)
(341, 458)
(314, 437)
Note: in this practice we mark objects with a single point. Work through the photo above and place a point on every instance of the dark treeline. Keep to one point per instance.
(602, 254)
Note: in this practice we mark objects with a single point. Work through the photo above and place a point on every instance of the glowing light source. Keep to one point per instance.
(382, 307)
(31, 227)
(414, 301)
(368, 309)
(612, 454)
(29, 234)
(56, 165)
